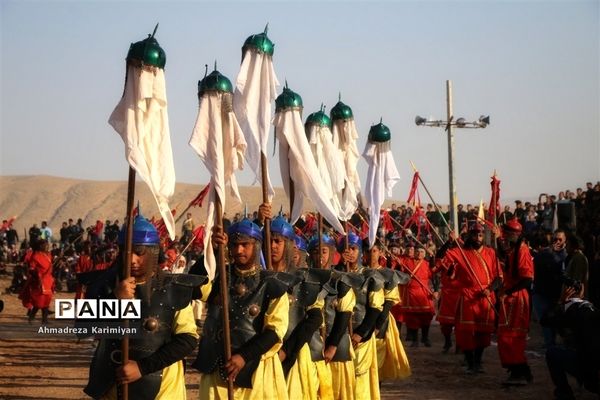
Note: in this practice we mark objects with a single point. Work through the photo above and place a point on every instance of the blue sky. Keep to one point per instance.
(532, 66)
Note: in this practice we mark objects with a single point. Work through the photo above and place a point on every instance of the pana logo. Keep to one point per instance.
(98, 309)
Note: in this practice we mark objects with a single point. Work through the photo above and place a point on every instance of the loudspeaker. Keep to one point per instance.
(566, 214)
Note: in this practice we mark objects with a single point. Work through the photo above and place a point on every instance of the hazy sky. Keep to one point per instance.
(532, 66)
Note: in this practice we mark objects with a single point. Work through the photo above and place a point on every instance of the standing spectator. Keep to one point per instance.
(12, 237)
(46, 232)
(576, 262)
(506, 215)
(64, 235)
(187, 229)
(34, 233)
(549, 265)
(519, 211)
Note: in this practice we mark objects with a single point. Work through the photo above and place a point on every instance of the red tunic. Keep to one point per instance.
(84, 264)
(416, 308)
(41, 281)
(450, 295)
(475, 312)
(514, 316)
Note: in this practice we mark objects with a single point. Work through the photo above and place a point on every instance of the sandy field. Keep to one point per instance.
(43, 367)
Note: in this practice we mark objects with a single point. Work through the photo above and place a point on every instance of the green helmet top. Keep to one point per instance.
(147, 52)
(288, 99)
(260, 42)
(379, 133)
(341, 111)
(214, 81)
(318, 118)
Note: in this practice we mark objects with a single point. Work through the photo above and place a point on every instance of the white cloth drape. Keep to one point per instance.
(141, 119)
(218, 140)
(344, 138)
(255, 91)
(329, 163)
(381, 178)
(297, 162)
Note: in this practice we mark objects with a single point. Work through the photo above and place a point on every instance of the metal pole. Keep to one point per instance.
(450, 129)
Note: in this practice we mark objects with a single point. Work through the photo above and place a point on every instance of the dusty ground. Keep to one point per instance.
(45, 367)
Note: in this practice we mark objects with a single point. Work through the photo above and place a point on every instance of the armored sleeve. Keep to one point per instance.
(383, 316)
(374, 308)
(340, 325)
(275, 327)
(184, 341)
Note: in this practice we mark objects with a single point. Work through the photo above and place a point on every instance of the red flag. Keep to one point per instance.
(311, 224)
(413, 195)
(161, 227)
(387, 221)
(197, 202)
(199, 236)
(494, 209)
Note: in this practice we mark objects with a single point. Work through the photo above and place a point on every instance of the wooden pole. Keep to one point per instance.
(126, 271)
(224, 288)
(319, 238)
(265, 199)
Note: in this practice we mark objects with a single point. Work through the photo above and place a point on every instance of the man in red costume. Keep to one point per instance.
(40, 284)
(514, 315)
(417, 307)
(476, 269)
(450, 295)
(84, 264)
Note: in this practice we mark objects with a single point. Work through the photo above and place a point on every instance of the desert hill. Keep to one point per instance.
(38, 198)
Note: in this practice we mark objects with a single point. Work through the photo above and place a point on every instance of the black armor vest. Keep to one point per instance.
(154, 330)
(391, 278)
(340, 282)
(249, 298)
(371, 282)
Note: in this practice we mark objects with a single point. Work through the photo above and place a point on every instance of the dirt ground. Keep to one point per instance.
(42, 367)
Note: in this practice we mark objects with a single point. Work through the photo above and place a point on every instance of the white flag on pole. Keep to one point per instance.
(142, 121)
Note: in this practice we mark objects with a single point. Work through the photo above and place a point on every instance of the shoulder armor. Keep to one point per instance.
(188, 280)
(279, 283)
(373, 279)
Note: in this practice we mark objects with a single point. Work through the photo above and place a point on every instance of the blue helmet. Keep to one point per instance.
(144, 233)
(281, 227)
(300, 243)
(326, 240)
(353, 240)
(245, 228)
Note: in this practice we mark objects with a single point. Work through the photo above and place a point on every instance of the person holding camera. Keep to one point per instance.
(578, 323)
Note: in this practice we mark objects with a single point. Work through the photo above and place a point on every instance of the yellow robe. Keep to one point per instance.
(365, 359)
(268, 381)
(342, 372)
(303, 378)
(172, 385)
(391, 358)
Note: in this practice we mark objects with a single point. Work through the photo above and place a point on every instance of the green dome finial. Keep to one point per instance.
(288, 100)
(341, 111)
(260, 42)
(379, 133)
(318, 118)
(214, 81)
(147, 52)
